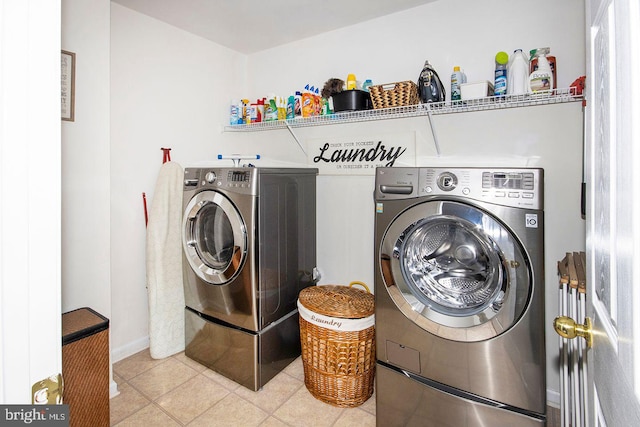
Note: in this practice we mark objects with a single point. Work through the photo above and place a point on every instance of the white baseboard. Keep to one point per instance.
(117, 354)
(553, 398)
(113, 390)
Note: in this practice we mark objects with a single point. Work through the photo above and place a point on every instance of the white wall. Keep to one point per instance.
(393, 49)
(86, 277)
(85, 160)
(170, 88)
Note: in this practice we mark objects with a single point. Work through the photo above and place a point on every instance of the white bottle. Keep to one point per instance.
(457, 78)
(541, 80)
(518, 74)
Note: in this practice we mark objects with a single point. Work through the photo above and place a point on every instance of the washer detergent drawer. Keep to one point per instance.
(410, 402)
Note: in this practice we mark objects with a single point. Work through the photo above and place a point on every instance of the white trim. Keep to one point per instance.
(553, 398)
(113, 389)
(120, 353)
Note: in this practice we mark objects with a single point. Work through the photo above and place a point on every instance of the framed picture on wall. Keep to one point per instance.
(68, 85)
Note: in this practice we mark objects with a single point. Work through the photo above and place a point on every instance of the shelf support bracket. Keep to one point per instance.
(293, 134)
(433, 130)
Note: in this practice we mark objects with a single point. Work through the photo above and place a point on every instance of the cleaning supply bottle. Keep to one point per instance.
(291, 105)
(533, 64)
(308, 104)
(298, 104)
(326, 107)
(430, 88)
(270, 109)
(457, 78)
(317, 99)
(260, 113)
(351, 82)
(518, 74)
(366, 85)
(500, 81)
(282, 108)
(541, 80)
(252, 113)
(234, 118)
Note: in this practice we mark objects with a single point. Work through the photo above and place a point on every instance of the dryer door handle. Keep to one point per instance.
(189, 239)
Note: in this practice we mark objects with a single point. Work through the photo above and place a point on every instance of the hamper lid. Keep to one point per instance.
(338, 301)
(81, 323)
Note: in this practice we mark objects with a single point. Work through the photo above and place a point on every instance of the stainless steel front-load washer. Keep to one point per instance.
(249, 246)
(459, 286)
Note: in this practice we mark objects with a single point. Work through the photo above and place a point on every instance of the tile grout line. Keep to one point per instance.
(269, 413)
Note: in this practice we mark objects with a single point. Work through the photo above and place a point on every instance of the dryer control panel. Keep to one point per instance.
(238, 180)
(514, 187)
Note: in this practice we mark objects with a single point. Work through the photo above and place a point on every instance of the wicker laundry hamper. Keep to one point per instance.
(337, 336)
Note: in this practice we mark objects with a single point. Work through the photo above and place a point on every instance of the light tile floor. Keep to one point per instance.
(177, 391)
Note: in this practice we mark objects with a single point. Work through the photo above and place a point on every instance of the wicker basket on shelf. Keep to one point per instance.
(337, 336)
(394, 94)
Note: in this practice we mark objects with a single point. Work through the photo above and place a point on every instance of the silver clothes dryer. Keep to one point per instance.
(459, 289)
(249, 246)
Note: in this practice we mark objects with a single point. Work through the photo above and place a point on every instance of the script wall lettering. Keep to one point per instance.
(363, 155)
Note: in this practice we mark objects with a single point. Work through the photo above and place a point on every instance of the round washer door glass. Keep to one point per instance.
(460, 269)
(214, 237)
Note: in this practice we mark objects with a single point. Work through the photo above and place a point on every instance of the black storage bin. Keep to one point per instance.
(351, 100)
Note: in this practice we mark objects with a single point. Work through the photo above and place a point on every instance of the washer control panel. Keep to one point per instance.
(447, 181)
(516, 187)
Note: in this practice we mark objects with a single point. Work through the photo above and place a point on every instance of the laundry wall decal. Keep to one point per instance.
(361, 155)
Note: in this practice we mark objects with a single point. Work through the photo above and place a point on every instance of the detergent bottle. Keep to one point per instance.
(457, 78)
(518, 74)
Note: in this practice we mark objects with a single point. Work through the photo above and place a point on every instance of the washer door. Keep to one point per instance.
(214, 237)
(455, 271)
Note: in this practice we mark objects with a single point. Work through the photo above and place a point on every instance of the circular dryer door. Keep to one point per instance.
(455, 270)
(214, 237)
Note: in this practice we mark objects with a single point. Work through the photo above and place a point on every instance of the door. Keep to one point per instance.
(214, 237)
(458, 268)
(30, 308)
(613, 231)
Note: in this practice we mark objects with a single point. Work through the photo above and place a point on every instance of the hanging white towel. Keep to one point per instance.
(164, 264)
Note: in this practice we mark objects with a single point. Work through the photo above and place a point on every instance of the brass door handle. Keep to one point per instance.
(566, 327)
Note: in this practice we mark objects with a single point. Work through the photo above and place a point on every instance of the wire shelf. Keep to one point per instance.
(558, 96)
